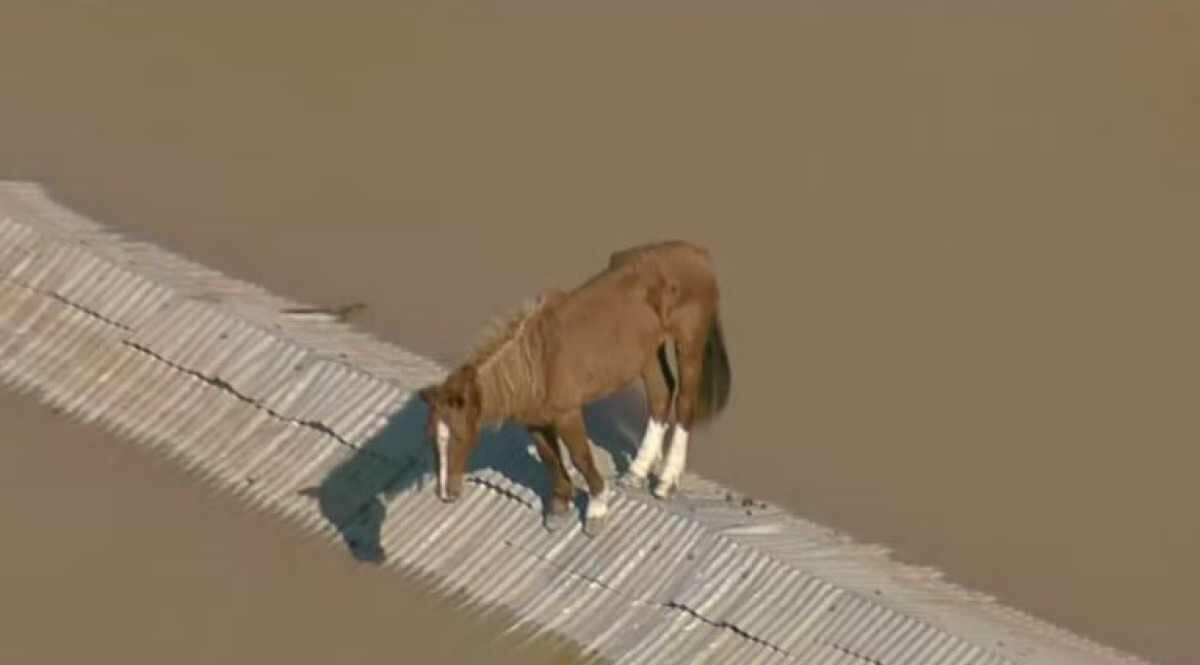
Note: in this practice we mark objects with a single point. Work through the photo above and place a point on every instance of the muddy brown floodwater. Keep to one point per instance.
(117, 557)
(957, 241)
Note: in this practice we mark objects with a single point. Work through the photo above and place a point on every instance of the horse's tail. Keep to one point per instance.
(716, 377)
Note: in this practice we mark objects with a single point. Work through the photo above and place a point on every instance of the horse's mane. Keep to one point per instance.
(507, 357)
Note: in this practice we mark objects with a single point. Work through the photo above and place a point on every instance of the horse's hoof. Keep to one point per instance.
(664, 490)
(632, 482)
(556, 521)
(594, 526)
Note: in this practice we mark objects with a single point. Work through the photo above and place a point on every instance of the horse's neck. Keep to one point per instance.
(502, 401)
(495, 410)
(509, 383)
(510, 370)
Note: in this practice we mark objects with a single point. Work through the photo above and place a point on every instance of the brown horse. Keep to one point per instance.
(561, 351)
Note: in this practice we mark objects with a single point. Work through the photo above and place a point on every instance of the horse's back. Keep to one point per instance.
(663, 250)
(678, 264)
(602, 333)
(648, 280)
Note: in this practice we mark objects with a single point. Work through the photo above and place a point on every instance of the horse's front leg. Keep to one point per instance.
(558, 512)
(574, 435)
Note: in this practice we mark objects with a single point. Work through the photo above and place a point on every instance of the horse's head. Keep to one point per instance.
(453, 427)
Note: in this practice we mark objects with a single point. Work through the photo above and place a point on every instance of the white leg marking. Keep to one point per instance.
(568, 461)
(597, 507)
(676, 460)
(597, 512)
(443, 448)
(650, 450)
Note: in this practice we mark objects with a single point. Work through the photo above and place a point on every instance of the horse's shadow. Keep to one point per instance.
(354, 496)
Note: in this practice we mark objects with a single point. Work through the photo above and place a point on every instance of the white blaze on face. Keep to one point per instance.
(443, 448)
(650, 450)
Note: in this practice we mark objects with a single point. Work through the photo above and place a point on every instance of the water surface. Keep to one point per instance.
(957, 241)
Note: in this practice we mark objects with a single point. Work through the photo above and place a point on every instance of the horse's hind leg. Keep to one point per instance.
(659, 386)
(558, 513)
(690, 358)
(574, 434)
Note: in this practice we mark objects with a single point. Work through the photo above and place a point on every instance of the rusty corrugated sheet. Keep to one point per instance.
(314, 421)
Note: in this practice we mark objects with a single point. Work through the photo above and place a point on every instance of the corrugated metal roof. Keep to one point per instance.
(314, 421)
